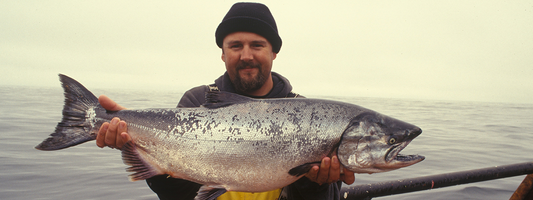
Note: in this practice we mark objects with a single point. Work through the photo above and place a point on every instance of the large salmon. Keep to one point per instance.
(236, 143)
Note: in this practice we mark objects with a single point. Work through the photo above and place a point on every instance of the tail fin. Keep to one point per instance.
(78, 117)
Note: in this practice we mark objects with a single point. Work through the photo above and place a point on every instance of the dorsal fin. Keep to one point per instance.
(218, 99)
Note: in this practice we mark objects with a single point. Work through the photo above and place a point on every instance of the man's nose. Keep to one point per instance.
(246, 54)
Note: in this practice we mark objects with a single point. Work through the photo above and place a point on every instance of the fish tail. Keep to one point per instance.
(132, 155)
(78, 121)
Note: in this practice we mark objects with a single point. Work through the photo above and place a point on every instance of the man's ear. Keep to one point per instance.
(223, 57)
(275, 55)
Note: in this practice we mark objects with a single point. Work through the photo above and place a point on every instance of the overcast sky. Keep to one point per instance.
(442, 50)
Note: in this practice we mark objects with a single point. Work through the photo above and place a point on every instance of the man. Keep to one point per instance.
(249, 40)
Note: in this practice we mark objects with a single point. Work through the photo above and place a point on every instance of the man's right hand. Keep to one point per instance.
(114, 134)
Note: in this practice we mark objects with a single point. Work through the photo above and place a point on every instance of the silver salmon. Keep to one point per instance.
(236, 143)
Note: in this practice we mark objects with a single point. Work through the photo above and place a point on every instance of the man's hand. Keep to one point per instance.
(330, 172)
(114, 134)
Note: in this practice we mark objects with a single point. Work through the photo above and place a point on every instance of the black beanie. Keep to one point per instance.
(249, 17)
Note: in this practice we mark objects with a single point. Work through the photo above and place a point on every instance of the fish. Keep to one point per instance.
(237, 143)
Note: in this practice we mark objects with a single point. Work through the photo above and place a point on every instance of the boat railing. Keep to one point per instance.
(369, 191)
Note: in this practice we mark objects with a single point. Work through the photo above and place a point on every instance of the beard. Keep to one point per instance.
(246, 86)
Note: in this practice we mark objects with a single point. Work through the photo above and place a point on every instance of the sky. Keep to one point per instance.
(460, 50)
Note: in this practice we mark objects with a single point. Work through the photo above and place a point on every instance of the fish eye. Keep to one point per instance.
(392, 140)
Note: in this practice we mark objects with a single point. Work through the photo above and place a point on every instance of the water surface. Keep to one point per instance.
(456, 136)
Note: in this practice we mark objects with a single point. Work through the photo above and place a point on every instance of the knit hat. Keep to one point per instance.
(249, 17)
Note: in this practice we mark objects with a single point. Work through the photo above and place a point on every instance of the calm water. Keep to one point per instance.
(457, 136)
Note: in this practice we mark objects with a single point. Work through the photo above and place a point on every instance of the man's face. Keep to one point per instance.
(248, 58)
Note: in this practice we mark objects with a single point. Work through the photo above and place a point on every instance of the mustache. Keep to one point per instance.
(245, 64)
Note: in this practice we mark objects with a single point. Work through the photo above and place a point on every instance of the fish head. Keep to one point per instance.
(371, 143)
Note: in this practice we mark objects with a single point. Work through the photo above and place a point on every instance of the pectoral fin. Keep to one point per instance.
(303, 169)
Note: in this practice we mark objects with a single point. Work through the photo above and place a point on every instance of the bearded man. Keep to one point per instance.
(249, 39)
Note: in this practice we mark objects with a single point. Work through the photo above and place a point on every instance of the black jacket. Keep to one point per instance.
(168, 188)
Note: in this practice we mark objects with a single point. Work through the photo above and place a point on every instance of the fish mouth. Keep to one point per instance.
(397, 160)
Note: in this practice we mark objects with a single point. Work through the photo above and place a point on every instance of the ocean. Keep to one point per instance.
(456, 136)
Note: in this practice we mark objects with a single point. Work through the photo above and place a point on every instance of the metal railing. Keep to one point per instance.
(369, 191)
